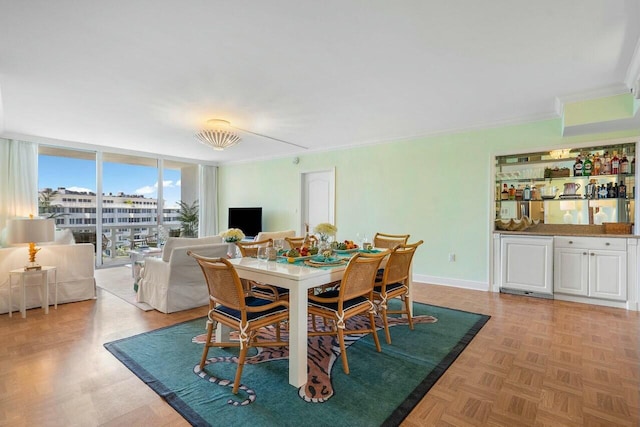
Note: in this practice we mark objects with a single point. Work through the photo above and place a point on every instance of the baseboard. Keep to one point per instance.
(455, 283)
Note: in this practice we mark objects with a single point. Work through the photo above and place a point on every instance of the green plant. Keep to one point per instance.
(46, 203)
(189, 218)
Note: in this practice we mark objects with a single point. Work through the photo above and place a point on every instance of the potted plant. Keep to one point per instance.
(188, 217)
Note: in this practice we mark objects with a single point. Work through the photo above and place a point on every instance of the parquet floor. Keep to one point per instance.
(537, 362)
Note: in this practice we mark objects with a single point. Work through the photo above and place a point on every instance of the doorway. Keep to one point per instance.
(318, 195)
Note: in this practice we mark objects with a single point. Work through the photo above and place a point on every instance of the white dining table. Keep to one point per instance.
(298, 279)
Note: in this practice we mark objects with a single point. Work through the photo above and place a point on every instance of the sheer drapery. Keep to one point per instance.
(18, 179)
(208, 195)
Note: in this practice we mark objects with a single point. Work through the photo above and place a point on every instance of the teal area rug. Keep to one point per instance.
(381, 389)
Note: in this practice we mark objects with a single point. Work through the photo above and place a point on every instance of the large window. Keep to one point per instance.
(129, 212)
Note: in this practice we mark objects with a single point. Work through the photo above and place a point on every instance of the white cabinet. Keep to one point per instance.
(527, 264)
(591, 267)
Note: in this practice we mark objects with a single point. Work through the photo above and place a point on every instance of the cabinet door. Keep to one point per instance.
(608, 274)
(527, 264)
(571, 271)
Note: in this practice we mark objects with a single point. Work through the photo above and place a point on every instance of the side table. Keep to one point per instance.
(21, 273)
(137, 257)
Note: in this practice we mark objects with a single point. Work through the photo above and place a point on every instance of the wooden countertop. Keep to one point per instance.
(566, 230)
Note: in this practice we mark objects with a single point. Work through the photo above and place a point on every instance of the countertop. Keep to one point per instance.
(566, 230)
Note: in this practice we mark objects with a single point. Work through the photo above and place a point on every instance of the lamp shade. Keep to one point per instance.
(27, 230)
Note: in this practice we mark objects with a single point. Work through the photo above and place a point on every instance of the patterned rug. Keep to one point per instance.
(381, 389)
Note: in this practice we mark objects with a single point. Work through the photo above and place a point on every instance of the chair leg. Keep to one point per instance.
(409, 318)
(372, 319)
(385, 321)
(207, 344)
(241, 357)
(343, 351)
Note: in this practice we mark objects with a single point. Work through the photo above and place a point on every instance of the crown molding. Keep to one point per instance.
(632, 79)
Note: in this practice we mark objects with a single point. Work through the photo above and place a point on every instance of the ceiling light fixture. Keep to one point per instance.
(219, 135)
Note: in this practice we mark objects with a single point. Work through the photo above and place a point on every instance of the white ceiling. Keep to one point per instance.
(146, 75)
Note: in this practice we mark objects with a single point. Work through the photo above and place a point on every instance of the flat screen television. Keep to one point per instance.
(249, 220)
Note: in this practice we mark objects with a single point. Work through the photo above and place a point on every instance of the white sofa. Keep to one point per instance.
(74, 270)
(175, 281)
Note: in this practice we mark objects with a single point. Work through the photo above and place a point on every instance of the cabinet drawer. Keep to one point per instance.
(608, 243)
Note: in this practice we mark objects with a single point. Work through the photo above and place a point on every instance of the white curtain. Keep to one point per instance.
(18, 179)
(208, 196)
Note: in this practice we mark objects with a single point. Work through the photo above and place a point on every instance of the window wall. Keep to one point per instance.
(117, 202)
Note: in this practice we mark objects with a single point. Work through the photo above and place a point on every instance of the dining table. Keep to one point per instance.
(298, 278)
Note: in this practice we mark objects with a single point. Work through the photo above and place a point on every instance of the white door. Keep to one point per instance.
(317, 198)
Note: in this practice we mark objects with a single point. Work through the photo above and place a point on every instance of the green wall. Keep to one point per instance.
(438, 189)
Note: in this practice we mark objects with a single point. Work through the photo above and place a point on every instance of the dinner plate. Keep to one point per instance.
(345, 251)
(312, 263)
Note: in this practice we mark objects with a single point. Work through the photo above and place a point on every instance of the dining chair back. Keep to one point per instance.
(250, 249)
(389, 241)
(230, 306)
(354, 296)
(298, 241)
(395, 283)
(263, 290)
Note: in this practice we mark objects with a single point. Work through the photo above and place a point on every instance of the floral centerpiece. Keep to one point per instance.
(232, 235)
(325, 230)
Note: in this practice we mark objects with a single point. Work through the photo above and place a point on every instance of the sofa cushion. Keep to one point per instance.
(180, 242)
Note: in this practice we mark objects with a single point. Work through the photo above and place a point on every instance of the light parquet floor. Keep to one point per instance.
(535, 363)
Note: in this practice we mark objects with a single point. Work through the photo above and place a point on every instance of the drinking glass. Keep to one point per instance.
(278, 244)
(262, 253)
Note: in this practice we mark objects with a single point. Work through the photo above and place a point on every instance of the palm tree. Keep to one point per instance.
(189, 218)
(46, 204)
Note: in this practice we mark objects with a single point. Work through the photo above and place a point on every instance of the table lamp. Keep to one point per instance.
(31, 230)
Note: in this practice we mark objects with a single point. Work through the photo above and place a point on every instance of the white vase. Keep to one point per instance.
(232, 250)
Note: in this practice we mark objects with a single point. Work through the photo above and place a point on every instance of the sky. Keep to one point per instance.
(80, 175)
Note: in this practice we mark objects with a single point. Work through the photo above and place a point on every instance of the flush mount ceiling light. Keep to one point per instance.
(219, 134)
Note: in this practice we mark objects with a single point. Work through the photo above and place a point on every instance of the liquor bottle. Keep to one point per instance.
(577, 167)
(596, 165)
(633, 166)
(512, 192)
(526, 193)
(615, 164)
(505, 193)
(602, 192)
(609, 191)
(622, 190)
(587, 166)
(615, 191)
(624, 163)
(606, 165)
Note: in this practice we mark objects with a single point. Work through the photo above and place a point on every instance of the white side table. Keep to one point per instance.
(21, 273)
(137, 256)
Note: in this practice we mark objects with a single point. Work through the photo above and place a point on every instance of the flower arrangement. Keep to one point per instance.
(326, 228)
(232, 235)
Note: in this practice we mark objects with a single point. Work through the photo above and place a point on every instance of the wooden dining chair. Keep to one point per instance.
(353, 297)
(389, 241)
(394, 283)
(298, 241)
(230, 306)
(262, 290)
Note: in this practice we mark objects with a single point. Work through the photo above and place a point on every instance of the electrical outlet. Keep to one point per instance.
(452, 257)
